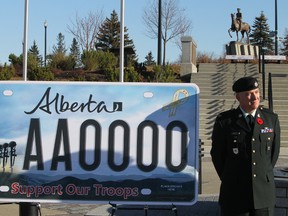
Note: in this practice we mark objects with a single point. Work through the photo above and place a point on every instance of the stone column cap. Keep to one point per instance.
(188, 39)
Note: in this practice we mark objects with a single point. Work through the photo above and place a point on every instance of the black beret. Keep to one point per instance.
(245, 84)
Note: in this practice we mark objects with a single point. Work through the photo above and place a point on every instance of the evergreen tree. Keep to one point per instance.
(109, 38)
(149, 60)
(260, 34)
(61, 47)
(59, 59)
(284, 50)
(75, 52)
(34, 51)
(109, 34)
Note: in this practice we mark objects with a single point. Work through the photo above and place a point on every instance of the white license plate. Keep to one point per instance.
(98, 142)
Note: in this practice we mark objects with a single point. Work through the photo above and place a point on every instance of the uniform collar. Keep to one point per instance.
(245, 114)
(241, 120)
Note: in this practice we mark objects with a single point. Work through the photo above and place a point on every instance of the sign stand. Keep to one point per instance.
(25, 209)
(145, 208)
(30, 209)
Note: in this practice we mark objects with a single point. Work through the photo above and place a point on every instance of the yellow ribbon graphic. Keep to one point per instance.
(176, 102)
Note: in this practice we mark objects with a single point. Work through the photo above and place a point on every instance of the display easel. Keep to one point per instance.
(145, 208)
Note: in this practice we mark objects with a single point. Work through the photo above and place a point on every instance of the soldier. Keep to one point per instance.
(244, 153)
(239, 17)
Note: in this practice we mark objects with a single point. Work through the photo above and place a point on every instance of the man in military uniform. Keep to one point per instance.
(244, 153)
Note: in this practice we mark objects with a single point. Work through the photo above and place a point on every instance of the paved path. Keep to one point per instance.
(206, 206)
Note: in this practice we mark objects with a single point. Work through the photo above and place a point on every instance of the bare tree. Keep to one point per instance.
(174, 22)
(85, 29)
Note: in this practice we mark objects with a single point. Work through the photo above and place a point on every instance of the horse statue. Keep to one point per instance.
(242, 27)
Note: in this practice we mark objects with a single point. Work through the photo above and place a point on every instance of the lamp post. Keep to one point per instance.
(159, 58)
(276, 29)
(122, 29)
(45, 42)
(25, 42)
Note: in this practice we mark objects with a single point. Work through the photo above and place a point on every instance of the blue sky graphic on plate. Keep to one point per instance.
(101, 131)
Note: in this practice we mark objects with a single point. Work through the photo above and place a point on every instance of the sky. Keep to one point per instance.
(210, 21)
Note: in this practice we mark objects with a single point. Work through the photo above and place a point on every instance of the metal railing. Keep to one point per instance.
(270, 92)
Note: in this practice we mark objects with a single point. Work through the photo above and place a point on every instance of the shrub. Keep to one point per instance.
(165, 74)
(99, 60)
(62, 62)
(7, 72)
(39, 73)
(131, 75)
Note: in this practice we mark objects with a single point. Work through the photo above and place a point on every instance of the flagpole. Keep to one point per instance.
(27, 208)
(159, 58)
(25, 40)
(122, 43)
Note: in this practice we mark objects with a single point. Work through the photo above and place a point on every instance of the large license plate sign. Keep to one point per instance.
(98, 142)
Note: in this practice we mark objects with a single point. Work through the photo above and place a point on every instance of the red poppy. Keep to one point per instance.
(259, 121)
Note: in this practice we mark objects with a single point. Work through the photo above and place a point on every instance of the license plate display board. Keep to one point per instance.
(98, 142)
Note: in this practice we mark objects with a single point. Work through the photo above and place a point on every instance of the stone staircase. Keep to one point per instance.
(280, 96)
(215, 82)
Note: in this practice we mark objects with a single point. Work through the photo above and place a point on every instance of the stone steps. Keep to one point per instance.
(215, 81)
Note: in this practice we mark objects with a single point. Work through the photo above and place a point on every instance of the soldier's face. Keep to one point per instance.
(249, 100)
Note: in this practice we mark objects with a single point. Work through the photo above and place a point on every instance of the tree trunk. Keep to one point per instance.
(164, 52)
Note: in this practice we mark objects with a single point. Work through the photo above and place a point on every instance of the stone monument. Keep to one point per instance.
(188, 62)
(237, 25)
(240, 49)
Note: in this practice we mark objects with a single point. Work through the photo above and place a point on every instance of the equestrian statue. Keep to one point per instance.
(239, 26)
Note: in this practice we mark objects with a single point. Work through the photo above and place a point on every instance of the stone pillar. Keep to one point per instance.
(251, 50)
(237, 51)
(244, 49)
(188, 63)
(256, 50)
(234, 48)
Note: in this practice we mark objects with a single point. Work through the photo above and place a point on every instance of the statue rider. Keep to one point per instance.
(239, 17)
